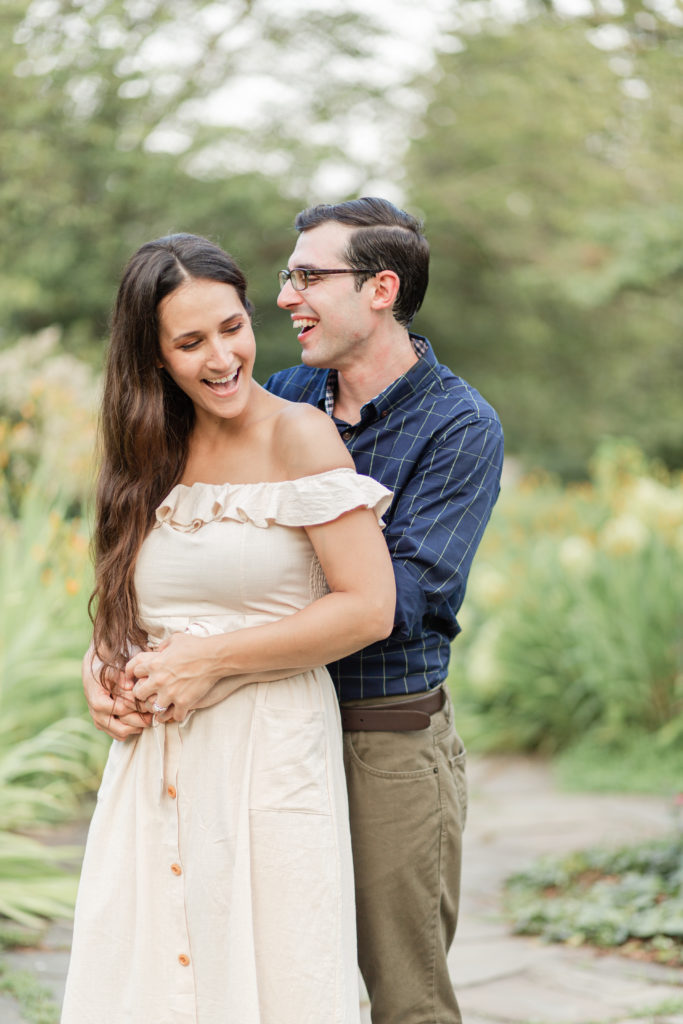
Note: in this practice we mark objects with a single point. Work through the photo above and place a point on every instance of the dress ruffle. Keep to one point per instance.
(306, 501)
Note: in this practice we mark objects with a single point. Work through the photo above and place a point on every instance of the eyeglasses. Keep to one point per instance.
(300, 279)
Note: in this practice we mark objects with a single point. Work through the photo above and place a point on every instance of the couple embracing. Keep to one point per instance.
(265, 823)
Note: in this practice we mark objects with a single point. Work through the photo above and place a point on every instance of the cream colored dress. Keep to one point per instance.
(217, 881)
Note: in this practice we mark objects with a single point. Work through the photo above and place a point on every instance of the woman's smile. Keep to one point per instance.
(223, 386)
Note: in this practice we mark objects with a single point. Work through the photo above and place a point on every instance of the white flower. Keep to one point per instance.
(656, 504)
(624, 534)
(576, 555)
(487, 586)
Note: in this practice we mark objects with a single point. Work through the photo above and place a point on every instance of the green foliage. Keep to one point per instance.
(13, 935)
(35, 1000)
(50, 755)
(35, 885)
(47, 425)
(545, 162)
(633, 764)
(631, 898)
(546, 167)
(572, 621)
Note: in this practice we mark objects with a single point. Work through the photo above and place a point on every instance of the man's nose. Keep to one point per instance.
(288, 297)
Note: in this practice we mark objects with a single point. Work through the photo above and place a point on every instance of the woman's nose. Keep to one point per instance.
(220, 350)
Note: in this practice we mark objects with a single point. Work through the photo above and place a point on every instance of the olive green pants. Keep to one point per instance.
(407, 803)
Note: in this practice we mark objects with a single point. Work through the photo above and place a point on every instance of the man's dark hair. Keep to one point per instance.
(387, 239)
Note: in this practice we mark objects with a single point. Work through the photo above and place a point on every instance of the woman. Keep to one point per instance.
(234, 542)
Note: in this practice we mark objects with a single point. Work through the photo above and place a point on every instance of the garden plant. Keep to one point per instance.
(571, 641)
(630, 898)
(50, 756)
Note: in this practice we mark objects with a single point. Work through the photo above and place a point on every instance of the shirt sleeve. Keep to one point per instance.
(437, 522)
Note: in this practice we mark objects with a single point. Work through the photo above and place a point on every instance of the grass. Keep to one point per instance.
(35, 999)
(636, 765)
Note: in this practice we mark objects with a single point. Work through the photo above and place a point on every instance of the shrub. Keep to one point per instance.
(573, 615)
(47, 419)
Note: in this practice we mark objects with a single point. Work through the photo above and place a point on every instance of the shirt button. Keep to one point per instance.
(171, 792)
(384, 413)
(176, 869)
(347, 435)
(183, 960)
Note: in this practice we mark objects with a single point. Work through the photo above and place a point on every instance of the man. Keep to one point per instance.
(356, 278)
(429, 437)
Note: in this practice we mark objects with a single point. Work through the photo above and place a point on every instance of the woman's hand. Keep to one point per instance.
(114, 713)
(176, 677)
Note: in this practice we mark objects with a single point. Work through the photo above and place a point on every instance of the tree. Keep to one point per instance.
(107, 139)
(547, 167)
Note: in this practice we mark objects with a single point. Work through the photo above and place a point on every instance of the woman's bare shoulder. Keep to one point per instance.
(308, 442)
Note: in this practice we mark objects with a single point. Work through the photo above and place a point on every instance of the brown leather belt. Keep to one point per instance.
(401, 716)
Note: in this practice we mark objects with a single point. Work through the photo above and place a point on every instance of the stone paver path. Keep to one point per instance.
(516, 814)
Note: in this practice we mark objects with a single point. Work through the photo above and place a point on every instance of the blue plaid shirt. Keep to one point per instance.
(433, 440)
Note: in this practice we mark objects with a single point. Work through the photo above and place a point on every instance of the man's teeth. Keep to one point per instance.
(298, 324)
(222, 380)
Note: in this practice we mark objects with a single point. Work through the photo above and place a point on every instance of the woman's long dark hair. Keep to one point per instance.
(145, 426)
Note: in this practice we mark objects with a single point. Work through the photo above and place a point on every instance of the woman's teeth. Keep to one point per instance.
(217, 381)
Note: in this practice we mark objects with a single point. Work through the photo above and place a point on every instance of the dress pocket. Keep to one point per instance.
(289, 761)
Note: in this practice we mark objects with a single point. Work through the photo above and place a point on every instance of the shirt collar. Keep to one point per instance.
(403, 385)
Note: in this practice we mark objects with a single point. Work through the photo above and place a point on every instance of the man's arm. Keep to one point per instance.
(227, 686)
(357, 610)
(439, 520)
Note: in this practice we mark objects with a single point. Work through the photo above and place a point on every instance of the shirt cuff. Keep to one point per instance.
(411, 603)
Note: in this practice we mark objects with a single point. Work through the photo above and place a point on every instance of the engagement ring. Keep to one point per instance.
(158, 708)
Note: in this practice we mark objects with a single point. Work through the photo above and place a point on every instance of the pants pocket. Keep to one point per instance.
(457, 765)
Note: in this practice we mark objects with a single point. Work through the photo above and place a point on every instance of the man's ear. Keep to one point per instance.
(386, 284)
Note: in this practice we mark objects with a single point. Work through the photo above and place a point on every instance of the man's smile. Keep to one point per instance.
(303, 324)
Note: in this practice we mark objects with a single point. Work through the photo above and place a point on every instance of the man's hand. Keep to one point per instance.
(116, 715)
